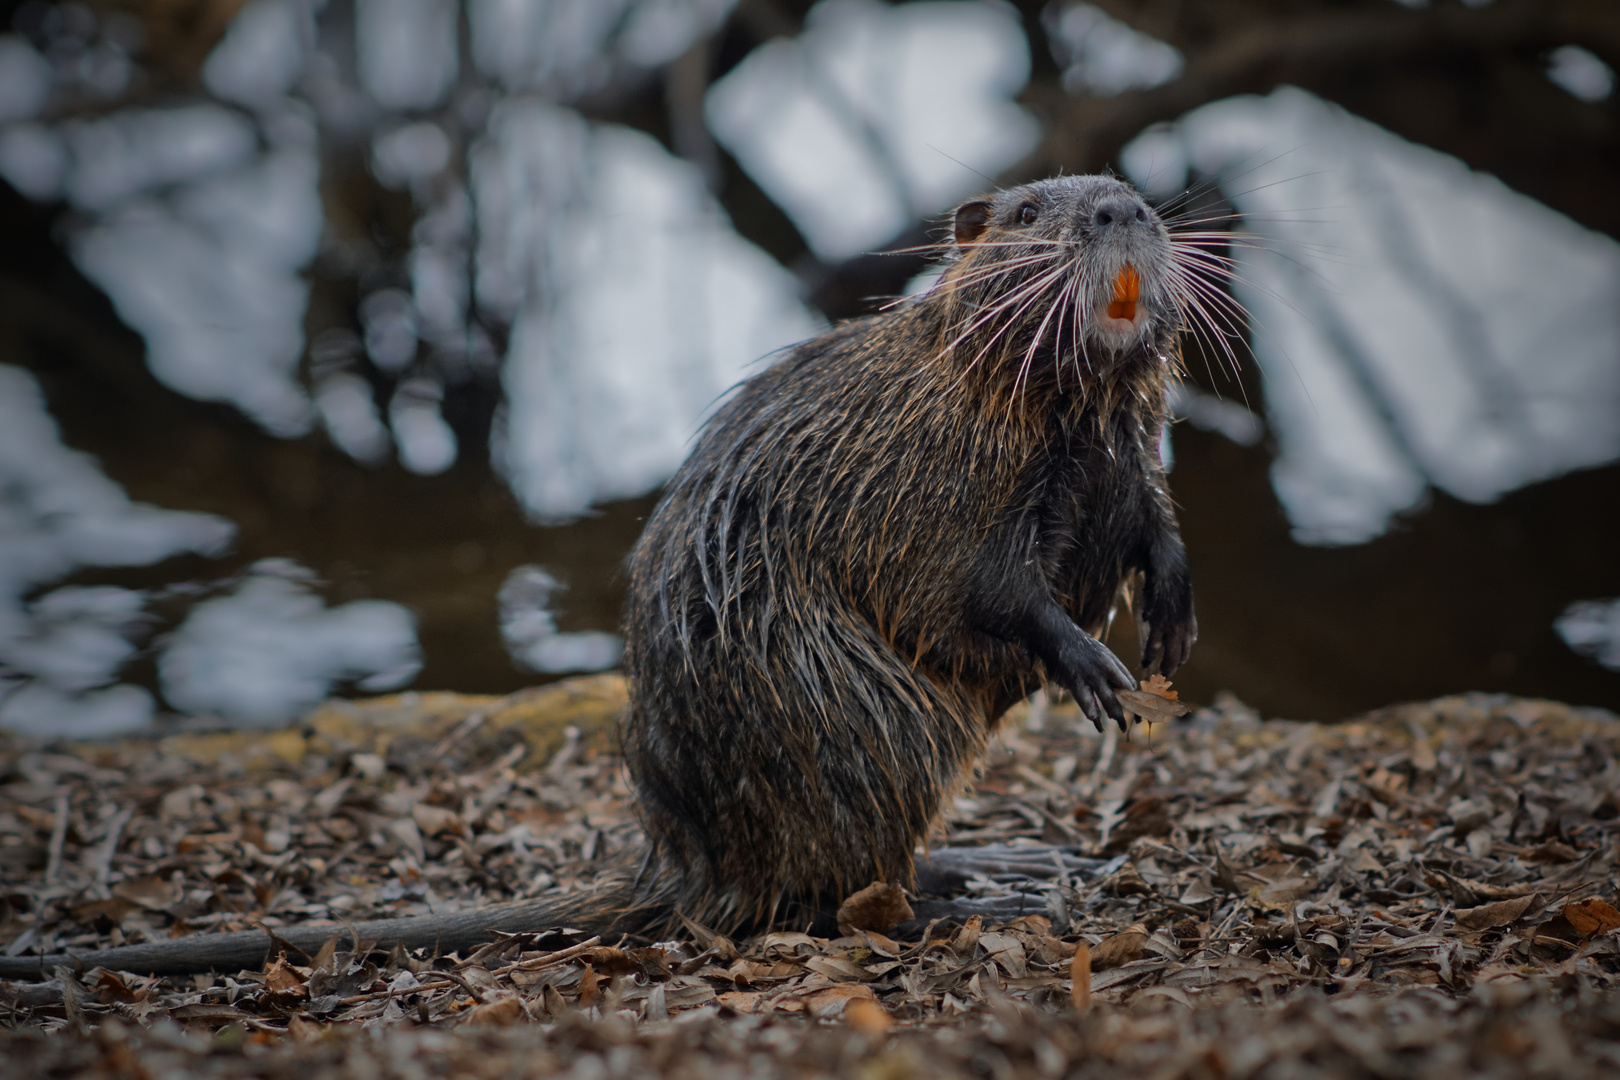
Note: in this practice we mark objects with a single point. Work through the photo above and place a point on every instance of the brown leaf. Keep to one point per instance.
(153, 892)
(610, 961)
(1080, 973)
(881, 906)
(725, 950)
(867, 1017)
(500, 1013)
(112, 910)
(879, 944)
(1129, 882)
(967, 938)
(1127, 945)
(302, 1030)
(1153, 708)
(1591, 917)
(282, 978)
(1147, 816)
(1553, 852)
(787, 946)
(1008, 951)
(589, 986)
(113, 988)
(831, 1001)
(1159, 686)
(1498, 913)
(1287, 890)
(743, 1001)
(745, 972)
(836, 969)
(203, 1014)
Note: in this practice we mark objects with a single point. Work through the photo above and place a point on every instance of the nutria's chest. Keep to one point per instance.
(1092, 494)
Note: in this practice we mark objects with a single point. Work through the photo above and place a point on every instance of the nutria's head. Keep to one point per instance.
(1077, 269)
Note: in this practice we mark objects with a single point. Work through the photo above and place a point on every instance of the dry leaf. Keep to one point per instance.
(967, 938)
(1127, 945)
(1591, 917)
(1080, 976)
(113, 910)
(1159, 686)
(306, 1031)
(156, 893)
(837, 969)
(867, 1017)
(500, 1013)
(1006, 950)
(831, 1001)
(589, 986)
(881, 906)
(610, 961)
(1154, 708)
(282, 978)
(1499, 913)
(743, 1001)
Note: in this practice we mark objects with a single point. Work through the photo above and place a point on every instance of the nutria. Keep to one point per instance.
(879, 544)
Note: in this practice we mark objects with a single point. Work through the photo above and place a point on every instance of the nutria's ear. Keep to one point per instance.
(972, 218)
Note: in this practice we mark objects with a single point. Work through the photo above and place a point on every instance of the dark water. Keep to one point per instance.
(1457, 597)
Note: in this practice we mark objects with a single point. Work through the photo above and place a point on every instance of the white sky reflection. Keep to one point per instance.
(1417, 323)
(877, 116)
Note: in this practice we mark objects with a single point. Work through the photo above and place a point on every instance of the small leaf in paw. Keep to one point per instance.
(1159, 686)
(1151, 706)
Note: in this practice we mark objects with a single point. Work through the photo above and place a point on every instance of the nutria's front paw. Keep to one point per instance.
(1091, 672)
(1169, 629)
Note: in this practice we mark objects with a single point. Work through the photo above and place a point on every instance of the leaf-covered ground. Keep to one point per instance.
(1424, 892)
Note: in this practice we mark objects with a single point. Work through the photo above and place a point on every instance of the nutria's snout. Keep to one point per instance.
(1072, 274)
(1124, 250)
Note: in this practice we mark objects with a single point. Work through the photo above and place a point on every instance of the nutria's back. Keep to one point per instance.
(886, 539)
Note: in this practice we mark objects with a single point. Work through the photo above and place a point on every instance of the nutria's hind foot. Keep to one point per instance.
(1031, 870)
(947, 870)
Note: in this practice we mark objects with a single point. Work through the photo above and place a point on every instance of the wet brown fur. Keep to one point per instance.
(809, 683)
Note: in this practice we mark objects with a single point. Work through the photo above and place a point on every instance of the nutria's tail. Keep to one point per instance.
(616, 903)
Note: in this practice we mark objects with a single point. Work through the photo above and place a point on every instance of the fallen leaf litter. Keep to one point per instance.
(1428, 890)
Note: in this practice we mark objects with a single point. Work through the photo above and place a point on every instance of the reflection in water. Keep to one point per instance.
(1581, 72)
(877, 116)
(60, 654)
(634, 306)
(209, 274)
(261, 654)
(1418, 324)
(1592, 628)
(1101, 55)
(269, 649)
(529, 628)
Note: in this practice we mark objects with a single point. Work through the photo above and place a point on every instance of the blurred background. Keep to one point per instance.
(344, 344)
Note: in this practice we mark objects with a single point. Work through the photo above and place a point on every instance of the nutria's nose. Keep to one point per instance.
(1119, 212)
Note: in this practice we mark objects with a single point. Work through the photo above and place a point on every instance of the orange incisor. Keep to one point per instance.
(1127, 287)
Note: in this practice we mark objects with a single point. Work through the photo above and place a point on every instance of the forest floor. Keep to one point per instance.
(1425, 891)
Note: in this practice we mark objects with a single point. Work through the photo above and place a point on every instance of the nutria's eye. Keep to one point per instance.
(1141, 214)
(1027, 214)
